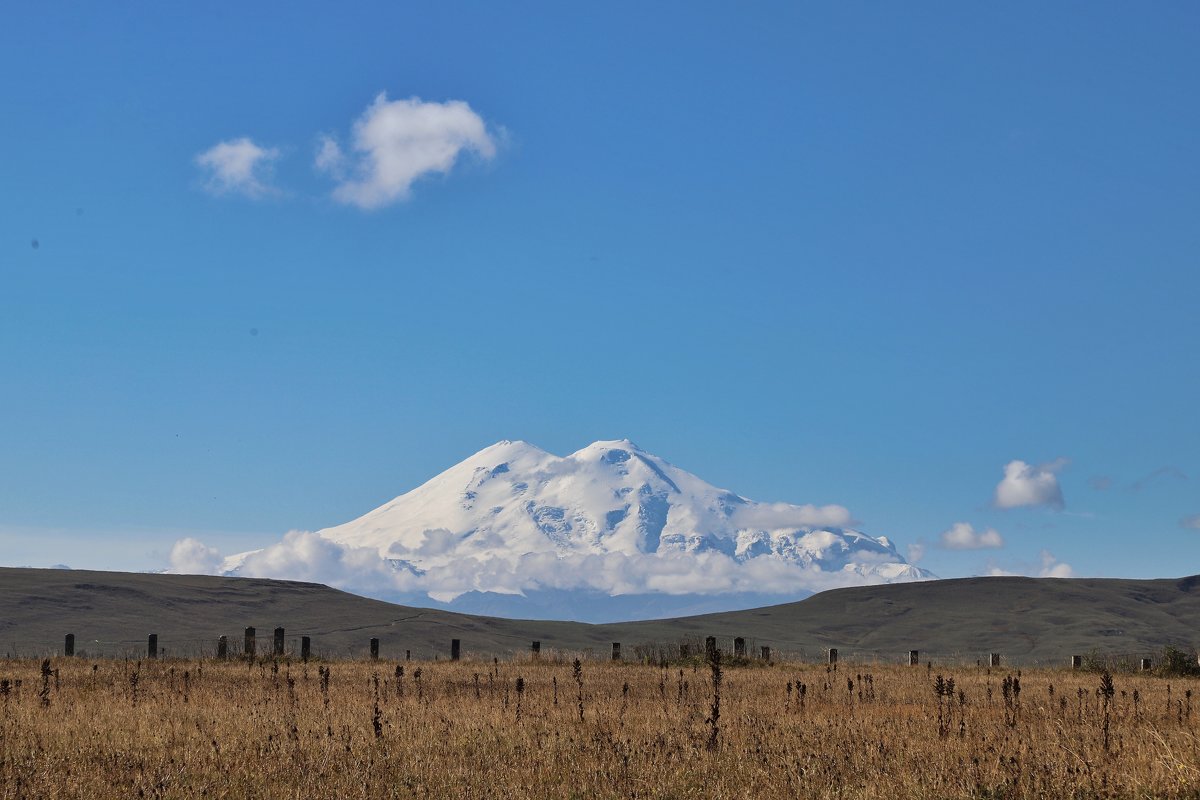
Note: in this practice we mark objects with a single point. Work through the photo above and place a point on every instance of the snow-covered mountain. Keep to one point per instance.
(608, 532)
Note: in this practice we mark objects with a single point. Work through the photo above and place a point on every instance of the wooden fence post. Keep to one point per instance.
(1145, 665)
(69, 645)
(374, 649)
(765, 652)
(739, 647)
(536, 650)
(994, 660)
(710, 647)
(832, 655)
(250, 643)
(1076, 662)
(616, 651)
(152, 646)
(455, 649)
(277, 649)
(223, 648)
(305, 647)
(408, 655)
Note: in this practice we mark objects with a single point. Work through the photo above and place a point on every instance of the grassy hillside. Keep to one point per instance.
(1027, 620)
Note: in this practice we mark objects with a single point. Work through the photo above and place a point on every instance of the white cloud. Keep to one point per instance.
(963, 536)
(781, 516)
(1047, 566)
(238, 166)
(192, 557)
(1192, 522)
(1053, 568)
(329, 158)
(306, 556)
(915, 552)
(1028, 485)
(396, 142)
(437, 541)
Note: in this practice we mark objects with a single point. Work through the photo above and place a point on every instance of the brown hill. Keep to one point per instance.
(1027, 620)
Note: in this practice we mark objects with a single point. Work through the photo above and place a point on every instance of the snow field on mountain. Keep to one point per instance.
(609, 520)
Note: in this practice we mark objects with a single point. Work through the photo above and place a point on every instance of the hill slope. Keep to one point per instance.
(1026, 619)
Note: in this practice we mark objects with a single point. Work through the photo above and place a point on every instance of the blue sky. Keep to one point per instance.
(860, 255)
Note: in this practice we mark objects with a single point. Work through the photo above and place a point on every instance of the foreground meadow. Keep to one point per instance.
(554, 728)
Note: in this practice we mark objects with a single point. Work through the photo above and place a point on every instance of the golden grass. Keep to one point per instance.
(176, 728)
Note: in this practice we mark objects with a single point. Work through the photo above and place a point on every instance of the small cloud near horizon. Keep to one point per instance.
(1048, 567)
(1028, 485)
(238, 166)
(1053, 568)
(190, 556)
(1191, 522)
(963, 536)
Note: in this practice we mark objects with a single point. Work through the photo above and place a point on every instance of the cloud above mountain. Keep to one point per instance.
(1028, 485)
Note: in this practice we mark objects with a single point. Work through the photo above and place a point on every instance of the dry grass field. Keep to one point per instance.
(238, 729)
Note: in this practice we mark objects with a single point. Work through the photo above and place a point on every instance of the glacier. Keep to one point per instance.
(610, 532)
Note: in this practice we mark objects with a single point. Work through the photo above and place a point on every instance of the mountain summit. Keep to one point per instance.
(608, 532)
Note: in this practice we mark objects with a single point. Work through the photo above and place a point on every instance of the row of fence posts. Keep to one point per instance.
(1144, 664)
(250, 647)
